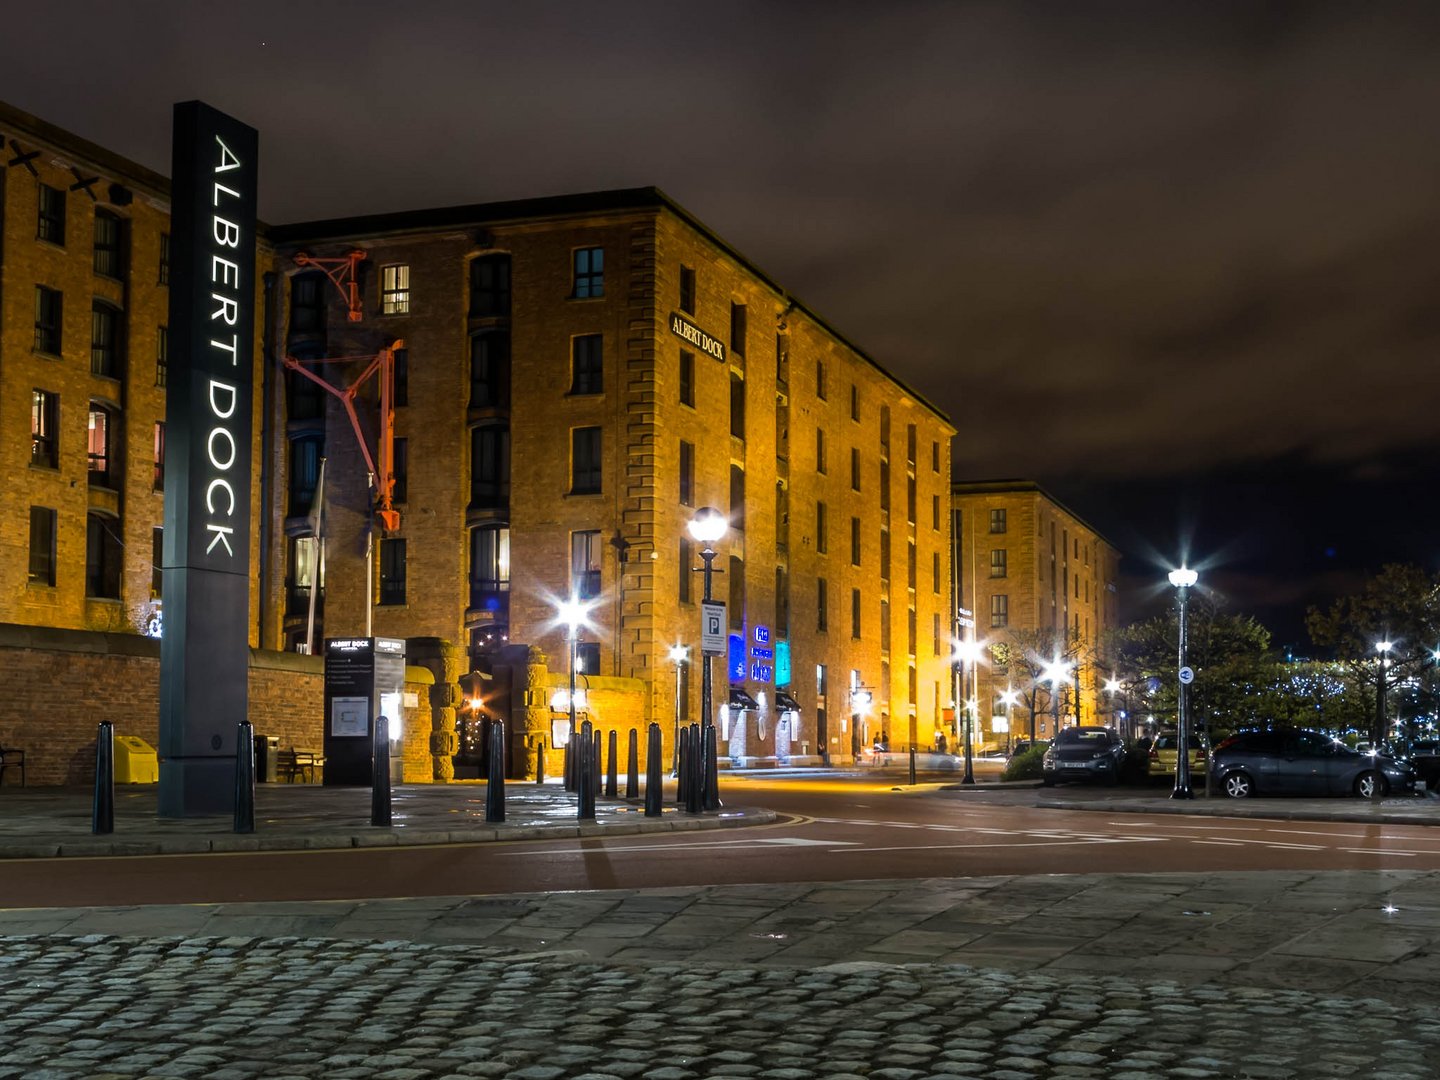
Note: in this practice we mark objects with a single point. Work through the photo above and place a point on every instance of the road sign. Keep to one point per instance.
(1187, 676)
(712, 628)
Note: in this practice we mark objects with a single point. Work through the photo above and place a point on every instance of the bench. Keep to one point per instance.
(11, 756)
(298, 763)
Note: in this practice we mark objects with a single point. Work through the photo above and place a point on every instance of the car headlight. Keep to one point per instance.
(1049, 758)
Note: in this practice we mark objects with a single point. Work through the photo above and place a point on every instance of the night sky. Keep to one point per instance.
(1178, 261)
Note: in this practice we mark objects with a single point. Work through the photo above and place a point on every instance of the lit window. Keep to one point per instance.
(585, 564)
(997, 521)
(998, 563)
(157, 481)
(999, 610)
(395, 289)
(162, 355)
(44, 425)
(99, 446)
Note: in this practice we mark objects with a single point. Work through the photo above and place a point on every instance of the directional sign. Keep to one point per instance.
(712, 628)
(1187, 676)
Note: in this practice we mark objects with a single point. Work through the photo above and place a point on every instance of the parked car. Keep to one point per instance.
(1083, 753)
(1165, 754)
(1297, 762)
(1022, 746)
(1424, 758)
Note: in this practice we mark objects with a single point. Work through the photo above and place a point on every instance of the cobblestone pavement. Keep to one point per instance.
(1127, 976)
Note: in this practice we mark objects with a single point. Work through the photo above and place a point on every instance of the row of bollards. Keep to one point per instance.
(697, 789)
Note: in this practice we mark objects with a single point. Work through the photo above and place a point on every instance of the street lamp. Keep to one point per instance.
(1183, 579)
(572, 613)
(678, 653)
(1056, 672)
(1382, 656)
(1112, 687)
(707, 526)
(1009, 698)
(966, 653)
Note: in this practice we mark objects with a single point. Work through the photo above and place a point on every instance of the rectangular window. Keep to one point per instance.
(737, 329)
(585, 461)
(109, 248)
(157, 479)
(307, 303)
(400, 370)
(935, 572)
(999, 565)
(822, 614)
(587, 657)
(392, 571)
(855, 614)
(48, 304)
(782, 604)
(102, 558)
(737, 593)
(489, 567)
(687, 473)
(910, 444)
(157, 563)
(910, 565)
(910, 499)
(490, 466)
(854, 541)
(304, 474)
(489, 370)
(585, 564)
(997, 521)
(687, 378)
(820, 389)
(687, 290)
(104, 340)
(854, 468)
(737, 406)
(737, 497)
(400, 470)
(884, 554)
(587, 364)
(44, 428)
(820, 450)
(885, 432)
(885, 485)
(163, 273)
(687, 564)
(910, 634)
(822, 529)
(395, 289)
(999, 610)
(162, 355)
(935, 456)
(935, 512)
(490, 287)
(99, 446)
(51, 223)
(42, 546)
(589, 273)
(935, 632)
(854, 402)
(782, 360)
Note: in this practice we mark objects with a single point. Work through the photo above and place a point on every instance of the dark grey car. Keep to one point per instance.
(1083, 753)
(1295, 762)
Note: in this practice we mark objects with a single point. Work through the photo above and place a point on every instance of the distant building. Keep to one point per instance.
(1040, 585)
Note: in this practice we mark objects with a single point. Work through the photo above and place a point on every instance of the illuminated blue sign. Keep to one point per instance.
(735, 658)
(782, 663)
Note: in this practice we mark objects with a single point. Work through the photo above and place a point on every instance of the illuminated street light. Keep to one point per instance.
(707, 526)
(967, 653)
(571, 614)
(678, 654)
(1057, 671)
(1183, 579)
(1382, 657)
(1009, 698)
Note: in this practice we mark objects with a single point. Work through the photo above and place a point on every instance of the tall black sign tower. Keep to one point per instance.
(204, 648)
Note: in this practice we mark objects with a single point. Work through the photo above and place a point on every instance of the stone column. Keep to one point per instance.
(443, 660)
(534, 713)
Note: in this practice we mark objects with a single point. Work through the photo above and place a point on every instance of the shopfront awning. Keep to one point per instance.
(785, 703)
(739, 699)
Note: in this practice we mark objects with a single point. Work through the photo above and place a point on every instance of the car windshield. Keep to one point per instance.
(1082, 735)
(1170, 742)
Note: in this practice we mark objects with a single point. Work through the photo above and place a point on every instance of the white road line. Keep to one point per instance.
(1219, 843)
(1275, 844)
(1020, 846)
(1176, 825)
(765, 842)
(1355, 836)
(1383, 851)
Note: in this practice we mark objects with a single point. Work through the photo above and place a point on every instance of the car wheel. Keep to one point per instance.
(1238, 785)
(1365, 785)
(1048, 781)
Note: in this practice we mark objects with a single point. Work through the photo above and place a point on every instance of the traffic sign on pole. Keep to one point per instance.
(712, 628)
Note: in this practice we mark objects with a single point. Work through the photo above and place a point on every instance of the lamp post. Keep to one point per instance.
(1382, 657)
(1112, 687)
(1009, 698)
(966, 653)
(1056, 672)
(572, 614)
(708, 526)
(678, 653)
(1183, 580)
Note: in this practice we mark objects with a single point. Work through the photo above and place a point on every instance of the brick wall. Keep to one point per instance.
(62, 683)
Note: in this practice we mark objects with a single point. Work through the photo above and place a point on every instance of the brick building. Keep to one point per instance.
(1040, 584)
(579, 375)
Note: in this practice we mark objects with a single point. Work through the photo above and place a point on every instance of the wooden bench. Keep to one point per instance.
(11, 756)
(298, 763)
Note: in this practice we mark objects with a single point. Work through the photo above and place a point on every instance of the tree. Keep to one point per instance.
(1401, 605)
(1029, 654)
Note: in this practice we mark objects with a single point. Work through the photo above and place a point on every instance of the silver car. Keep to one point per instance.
(1295, 762)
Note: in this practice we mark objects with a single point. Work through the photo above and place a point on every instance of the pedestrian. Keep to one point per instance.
(941, 744)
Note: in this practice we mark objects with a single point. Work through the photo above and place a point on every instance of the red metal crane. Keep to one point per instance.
(342, 271)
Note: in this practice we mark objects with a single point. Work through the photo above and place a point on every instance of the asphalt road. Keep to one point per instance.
(836, 829)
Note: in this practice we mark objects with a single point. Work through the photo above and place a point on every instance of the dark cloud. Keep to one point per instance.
(1128, 246)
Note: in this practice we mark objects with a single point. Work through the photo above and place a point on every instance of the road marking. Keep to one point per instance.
(1382, 851)
(669, 847)
(1176, 825)
(1077, 842)
(1219, 843)
(1277, 844)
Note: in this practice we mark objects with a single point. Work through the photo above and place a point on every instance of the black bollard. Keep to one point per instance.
(712, 770)
(540, 761)
(585, 791)
(244, 777)
(632, 766)
(595, 763)
(912, 766)
(682, 758)
(102, 811)
(695, 782)
(612, 778)
(495, 781)
(567, 770)
(654, 788)
(380, 775)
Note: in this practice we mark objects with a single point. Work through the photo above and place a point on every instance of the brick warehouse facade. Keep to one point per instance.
(579, 375)
(1043, 583)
